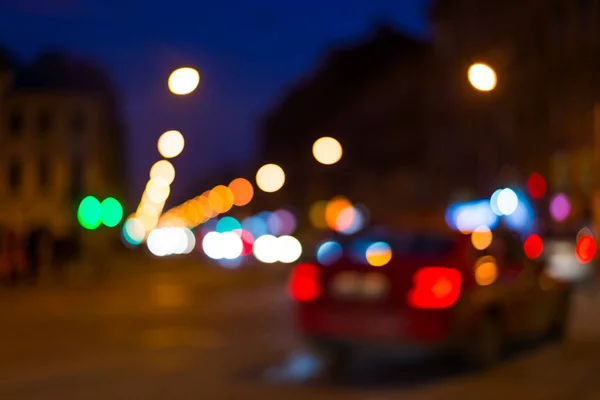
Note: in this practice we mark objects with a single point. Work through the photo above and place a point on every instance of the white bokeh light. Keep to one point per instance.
(266, 249)
(212, 245)
(290, 249)
(507, 201)
(232, 245)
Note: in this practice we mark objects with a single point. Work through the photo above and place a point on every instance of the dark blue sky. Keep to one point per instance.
(247, 53)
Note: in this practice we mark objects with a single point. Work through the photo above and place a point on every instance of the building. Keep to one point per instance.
(546, 59)
(371, 97)
(60, 140)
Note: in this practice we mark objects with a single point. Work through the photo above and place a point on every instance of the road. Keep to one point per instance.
(176, 335)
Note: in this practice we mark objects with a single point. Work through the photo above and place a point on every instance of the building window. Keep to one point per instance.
(15, 123)
(44, 122)
(44, 174)
(15, 175)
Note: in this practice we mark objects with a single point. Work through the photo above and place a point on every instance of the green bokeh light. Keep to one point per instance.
(111, 212)
(89, 213)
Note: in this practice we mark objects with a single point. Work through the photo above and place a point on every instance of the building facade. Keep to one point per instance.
(59, 142)
(546, 60)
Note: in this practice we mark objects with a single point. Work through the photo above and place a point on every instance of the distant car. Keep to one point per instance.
(436, 294)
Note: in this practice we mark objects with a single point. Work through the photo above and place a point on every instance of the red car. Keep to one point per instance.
(424, 294)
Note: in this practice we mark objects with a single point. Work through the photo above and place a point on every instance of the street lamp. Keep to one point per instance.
(183, 81)
(482, 77)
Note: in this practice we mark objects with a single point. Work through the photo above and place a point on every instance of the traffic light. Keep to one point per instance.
(91, 213)
(111, 212)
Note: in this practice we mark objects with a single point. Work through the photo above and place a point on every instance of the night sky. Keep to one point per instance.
(247, 53)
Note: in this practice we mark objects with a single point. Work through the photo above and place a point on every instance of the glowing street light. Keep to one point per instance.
(327, 150)
(183, 81)
(170, 144)
(270, 178)
(482, 77)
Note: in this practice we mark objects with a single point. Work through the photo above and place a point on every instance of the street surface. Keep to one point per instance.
(182, 333)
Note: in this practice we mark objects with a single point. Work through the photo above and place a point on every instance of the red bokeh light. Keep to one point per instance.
(585, 249)
(304, 283)
(247, 241)
(536, 186)
(435, 287)
(533, 246)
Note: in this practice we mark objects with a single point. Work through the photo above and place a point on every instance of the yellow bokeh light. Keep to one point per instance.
(242, 191)
(149, 221)
(183, 81)
(170, 144)
(334, 209)
(486, 271)
(270, 178)
(378, 254)
(327, 150)
(220, 199)
(203, 202)
(157, 190)
(163, 169)
(482, 237)
(482, 77)
(316, 214)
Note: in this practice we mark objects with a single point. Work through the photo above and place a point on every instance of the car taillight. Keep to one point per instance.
(304, 283)
(435, 288)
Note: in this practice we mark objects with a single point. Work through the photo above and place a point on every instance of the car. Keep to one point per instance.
(416, 295)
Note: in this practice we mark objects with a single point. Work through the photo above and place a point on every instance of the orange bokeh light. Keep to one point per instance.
(334, 209)
(242, 191)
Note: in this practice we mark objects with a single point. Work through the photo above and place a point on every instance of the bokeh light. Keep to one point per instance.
(560, 207)
(270, 178)
(333, 211)
(327, 150)
(228, 224)
(536, 186)
(133, 231)
(111, 212)
(256, 226)
(350, 220)
(183, 81)
(507, 201)
(494, 202)
(170, 144)
(533, 246)
(482, 77)
(89, 213)
(220, 199)
(316, 214)
(486, 271)
(233, 246)
(213, 246)
(242, 191)
(284, 220)
(378, 254)
(584, 232)
(266, 249)
(289, 250)
(157, 190)
(329, 252)
(163, 169)
(585, 249)
(482, 237)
